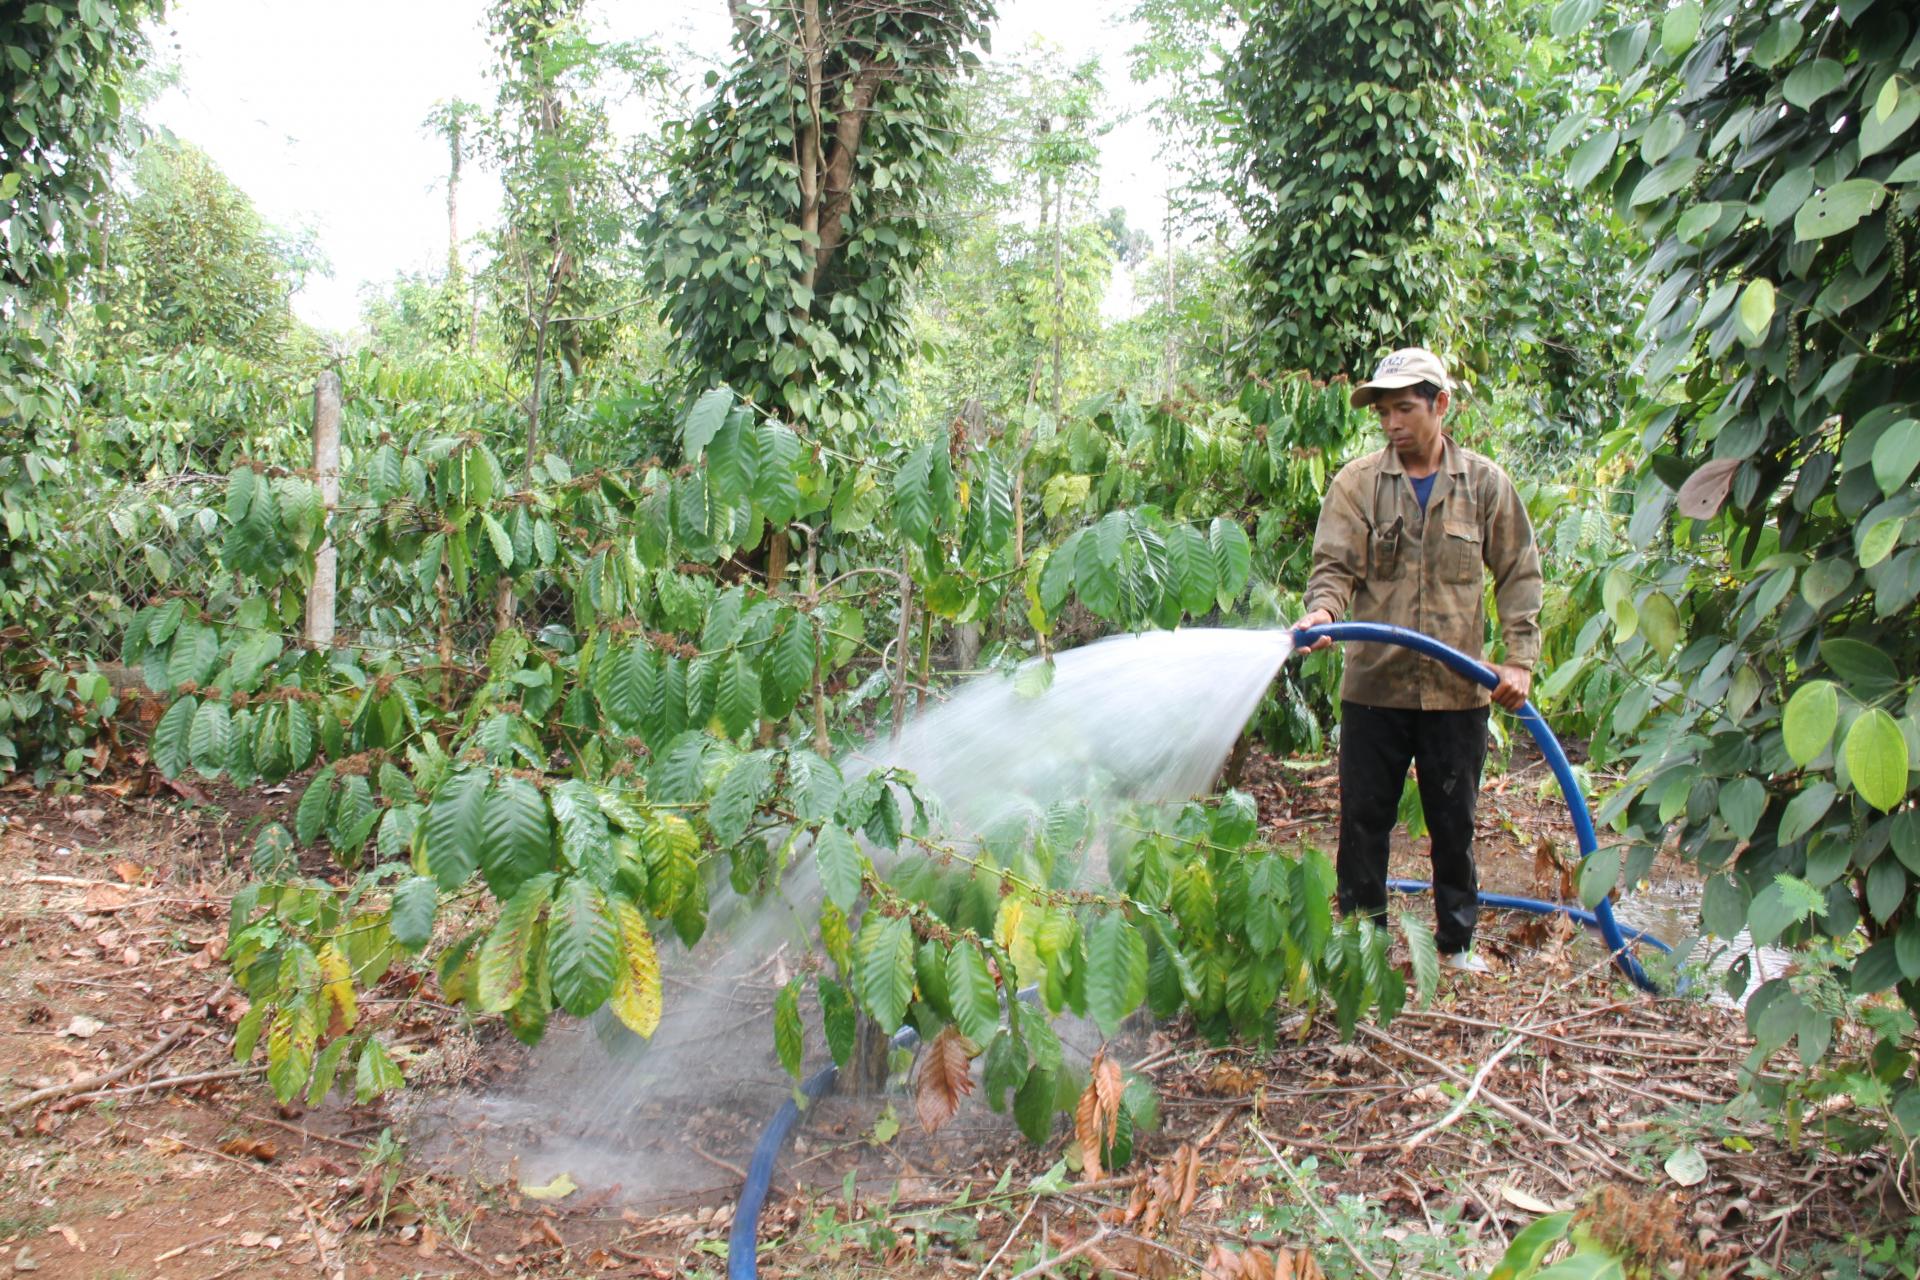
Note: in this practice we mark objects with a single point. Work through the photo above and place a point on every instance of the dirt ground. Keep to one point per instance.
(136, 1147)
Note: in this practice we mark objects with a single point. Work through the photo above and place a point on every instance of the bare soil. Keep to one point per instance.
(183, 1166)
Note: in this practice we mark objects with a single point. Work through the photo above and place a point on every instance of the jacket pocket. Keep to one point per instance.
(1460, 558)
(1383, 554)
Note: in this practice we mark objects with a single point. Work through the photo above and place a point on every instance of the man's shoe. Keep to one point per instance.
(1466, 962)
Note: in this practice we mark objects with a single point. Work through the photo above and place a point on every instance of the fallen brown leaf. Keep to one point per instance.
(261, 1149)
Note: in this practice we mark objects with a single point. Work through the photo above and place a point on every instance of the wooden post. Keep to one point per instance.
(326, 473)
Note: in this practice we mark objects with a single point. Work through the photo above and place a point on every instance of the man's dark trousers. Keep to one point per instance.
(1447, 750)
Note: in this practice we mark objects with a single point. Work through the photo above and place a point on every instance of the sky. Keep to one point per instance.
(316, 112)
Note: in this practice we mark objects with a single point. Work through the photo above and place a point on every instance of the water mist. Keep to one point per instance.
(1130, 719)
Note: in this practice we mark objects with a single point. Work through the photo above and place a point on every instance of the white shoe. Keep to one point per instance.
(1466, 962)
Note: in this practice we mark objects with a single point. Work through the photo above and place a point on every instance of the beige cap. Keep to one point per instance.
(1404, 368)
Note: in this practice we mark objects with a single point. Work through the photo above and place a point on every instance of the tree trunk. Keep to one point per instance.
(1059, 298)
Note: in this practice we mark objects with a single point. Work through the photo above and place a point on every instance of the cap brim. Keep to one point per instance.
(1367, 392)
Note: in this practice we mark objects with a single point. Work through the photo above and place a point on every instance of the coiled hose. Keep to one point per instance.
(743, 1261)
(1601, 917)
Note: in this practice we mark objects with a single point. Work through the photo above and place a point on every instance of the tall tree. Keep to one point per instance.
(1350, 133)
(799, 207)
(63, 67)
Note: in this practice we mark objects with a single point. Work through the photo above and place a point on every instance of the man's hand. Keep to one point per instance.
(1318, 618)
(1515, 684)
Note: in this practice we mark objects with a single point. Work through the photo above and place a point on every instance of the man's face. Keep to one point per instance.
(1412, 426)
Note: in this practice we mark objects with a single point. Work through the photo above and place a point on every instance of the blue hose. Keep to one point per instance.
(743, 1261)
(1481, 674)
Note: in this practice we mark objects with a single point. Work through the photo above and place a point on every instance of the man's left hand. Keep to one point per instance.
(1515, 684)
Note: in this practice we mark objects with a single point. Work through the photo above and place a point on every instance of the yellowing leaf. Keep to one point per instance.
(1876, 754)
(337, 986)
(1756, 310)
(559, 1189)
(636, 994)
(1809, 720)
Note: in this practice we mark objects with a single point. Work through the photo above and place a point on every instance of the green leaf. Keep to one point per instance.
(583, 947)
(791, 662)
(1742, 801)
(1837, 209)
(971, 993)
(1811, 81)
(1878, 540)
(451, 832)
(1895, 454)
(1785, 902)
(1570, 17)
(504, 956)
(1805, 810)
(1876, 754)
(415, 901)
(1891, 115)
(1811, 716)
(1522, 1257)
(913, 512)
(584, 838)
(1599, 872)
(1679, 28)
(1781, 38)
(516, 838)
(883, 967)
(737, 700)
(738, 797)
(1865, 667)
(1665, 179)
(789, 1036)
(208, 740)
(1423, 953)
(170, 748)
(375, 1074)
(1824, 580)
(1591, 158)
(704, 420)
(1232, 559)
(837, 1015)
(502, 544)
(1116, 972)
(841, 864)
(316, 802)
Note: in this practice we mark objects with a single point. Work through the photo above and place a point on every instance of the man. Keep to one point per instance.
(1406, 536)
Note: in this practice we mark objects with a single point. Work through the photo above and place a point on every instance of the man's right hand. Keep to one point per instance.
(1319, 617)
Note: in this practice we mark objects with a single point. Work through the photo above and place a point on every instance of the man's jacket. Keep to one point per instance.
(1378, 558)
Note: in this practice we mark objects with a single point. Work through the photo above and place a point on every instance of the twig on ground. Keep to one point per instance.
(1011, 1237)
(1326, 1220)
(1041, 1268)
(82, 1086)
(154, 1086)
(308, 1134)
(1466, 1099)
(718, 1163)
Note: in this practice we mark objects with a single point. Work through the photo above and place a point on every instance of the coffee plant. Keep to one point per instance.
(655, 724)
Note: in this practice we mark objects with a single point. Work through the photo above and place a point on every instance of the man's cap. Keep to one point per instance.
(1404, 368)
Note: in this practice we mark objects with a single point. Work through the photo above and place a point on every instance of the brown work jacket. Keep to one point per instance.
(1378, 558)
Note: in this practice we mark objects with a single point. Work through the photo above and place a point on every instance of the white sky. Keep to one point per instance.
(316, 112)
